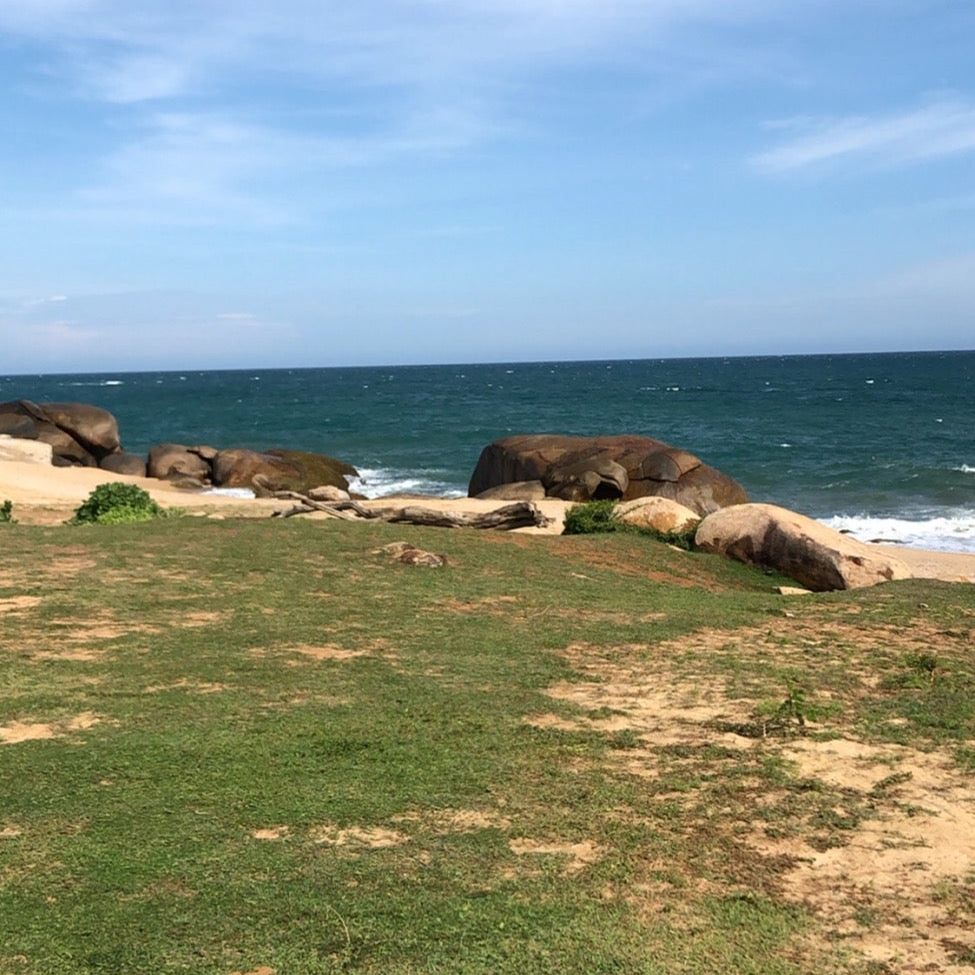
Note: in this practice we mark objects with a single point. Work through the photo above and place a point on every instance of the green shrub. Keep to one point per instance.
(598, 517)
(117, 504)
(7, 513)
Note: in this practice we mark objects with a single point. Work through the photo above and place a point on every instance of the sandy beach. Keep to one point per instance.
(48, 496)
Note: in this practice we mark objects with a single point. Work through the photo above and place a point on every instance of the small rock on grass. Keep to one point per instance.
(793, 591)
(407, 554)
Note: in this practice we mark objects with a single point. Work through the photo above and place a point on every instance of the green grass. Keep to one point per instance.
(127, 846)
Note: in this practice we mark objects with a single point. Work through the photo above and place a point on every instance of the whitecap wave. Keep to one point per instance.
(964, 469)
(231, 492)
(379, 482)
(100, 382)
(945, 533)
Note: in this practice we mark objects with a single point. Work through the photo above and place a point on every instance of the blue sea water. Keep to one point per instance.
(883, 445)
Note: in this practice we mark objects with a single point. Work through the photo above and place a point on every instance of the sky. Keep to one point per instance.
(207, 184)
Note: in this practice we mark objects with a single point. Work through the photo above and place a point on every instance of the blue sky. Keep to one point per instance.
(216, 184)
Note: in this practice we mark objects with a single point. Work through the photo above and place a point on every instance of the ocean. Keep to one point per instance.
(882, 445)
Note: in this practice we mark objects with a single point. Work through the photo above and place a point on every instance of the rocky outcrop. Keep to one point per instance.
(131, 465)
(25, 451)
(518, 491)
(818, 557)
(659, 515)
(620, 467)
(79, 434)
(279, 470)
(168, 460)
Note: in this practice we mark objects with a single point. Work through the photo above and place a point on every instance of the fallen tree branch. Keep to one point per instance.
(521, 514)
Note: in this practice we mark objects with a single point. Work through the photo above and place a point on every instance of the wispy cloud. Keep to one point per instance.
(944, 127)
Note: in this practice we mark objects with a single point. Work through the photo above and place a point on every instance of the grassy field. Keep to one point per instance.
(261, 747)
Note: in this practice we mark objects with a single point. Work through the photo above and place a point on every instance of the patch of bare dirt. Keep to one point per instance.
(271, 833)
(18, 605)
(20, 731)
(577, 856)
(487, 605)
(10, 832)
(190, 686)
(364, 837)
(897, 867)
(200, 619)
(455, 820)
(80, 655)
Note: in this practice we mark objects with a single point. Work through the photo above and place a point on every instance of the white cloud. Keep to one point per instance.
(940, 128)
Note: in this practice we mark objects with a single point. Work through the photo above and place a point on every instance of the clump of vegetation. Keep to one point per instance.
(118, 504)
(7, 513)
(599, 517)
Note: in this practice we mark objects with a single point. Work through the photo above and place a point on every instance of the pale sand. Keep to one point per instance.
(48, 495)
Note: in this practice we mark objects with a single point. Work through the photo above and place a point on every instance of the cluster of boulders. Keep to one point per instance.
(81, 435)
(658, 486)
(536, 466)
(770, 537)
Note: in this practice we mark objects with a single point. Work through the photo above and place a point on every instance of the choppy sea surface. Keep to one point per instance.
(883, 445)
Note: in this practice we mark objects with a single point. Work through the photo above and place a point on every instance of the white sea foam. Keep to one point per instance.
(946, 533)
(378, 482)
(231, 492)
(964, 469)
(100, 382)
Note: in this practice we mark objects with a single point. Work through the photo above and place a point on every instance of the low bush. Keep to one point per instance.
(7, 513)
(599, 517)
(117, 504)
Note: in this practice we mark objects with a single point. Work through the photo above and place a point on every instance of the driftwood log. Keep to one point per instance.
(521, 514)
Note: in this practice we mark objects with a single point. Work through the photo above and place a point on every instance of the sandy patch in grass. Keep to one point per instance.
(19, 731)
(271, 833)
(578, 856)
(367, 837)
(199, 619)
(899, 865)
(9, 832)
(190, 686)
(17, 605)
(455, 820)
(488, 605)
(263, 970)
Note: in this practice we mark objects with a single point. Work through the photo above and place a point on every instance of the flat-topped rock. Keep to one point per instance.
(25, 451)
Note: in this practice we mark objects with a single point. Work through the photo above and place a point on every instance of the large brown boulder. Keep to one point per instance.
(516, 491)
(582, 468)
(94, 428)
(279, 470)
(167, 460)
(79, 434)
(124, 463)
(799, 547)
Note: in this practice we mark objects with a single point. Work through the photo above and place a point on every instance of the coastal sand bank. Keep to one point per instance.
(49, 495)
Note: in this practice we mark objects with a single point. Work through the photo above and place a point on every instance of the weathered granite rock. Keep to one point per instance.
(518, 491)
(407, 554)
(280, 470)
(124, 463)
(167, 460)
(91, 426)
(818, 557)
(25, 451)
(328, 493)
(652, 468)
(658, 514)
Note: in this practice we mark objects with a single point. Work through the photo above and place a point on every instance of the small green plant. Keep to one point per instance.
(7, 513)
(117, 504)
(599, 517)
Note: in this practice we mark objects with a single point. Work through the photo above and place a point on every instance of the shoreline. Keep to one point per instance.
(49, 495)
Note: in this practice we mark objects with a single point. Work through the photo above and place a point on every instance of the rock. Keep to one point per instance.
(593, 478)
(658, 514)
(30, 421)
(25, 451)
(168, 460)
(207, 453)
(186, 483)
(792, 591)
(124, 463)
(18, 427)
(407, 554)
(516, 491)
(91, 426)
(280, 470)
(328, 493)
(818, 557)
(587, 467)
